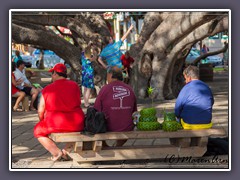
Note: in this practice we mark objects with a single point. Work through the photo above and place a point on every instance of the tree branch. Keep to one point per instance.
(48, 40)
(88, 26)
(224, 49)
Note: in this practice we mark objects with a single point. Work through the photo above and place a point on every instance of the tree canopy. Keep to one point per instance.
(163, 44)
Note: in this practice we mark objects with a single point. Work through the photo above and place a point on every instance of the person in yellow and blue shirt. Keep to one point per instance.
(111, 53)
(194, 103)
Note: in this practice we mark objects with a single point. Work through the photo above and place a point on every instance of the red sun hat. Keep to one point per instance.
(59, 67)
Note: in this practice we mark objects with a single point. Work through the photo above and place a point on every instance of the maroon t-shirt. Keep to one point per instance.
(118, 102)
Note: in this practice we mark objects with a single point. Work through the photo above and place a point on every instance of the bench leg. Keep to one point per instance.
(199, 141)
(97, 146)
(78, 146)
(180, 142)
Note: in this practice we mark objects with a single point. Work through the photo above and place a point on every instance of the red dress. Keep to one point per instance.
(14, 89)
(62, 109)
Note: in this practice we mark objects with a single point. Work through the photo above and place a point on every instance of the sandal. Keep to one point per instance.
(57, 158)
(65, 155)
(17, 110)
(32, 109)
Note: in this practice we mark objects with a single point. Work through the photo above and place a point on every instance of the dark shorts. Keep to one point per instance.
(27, 90)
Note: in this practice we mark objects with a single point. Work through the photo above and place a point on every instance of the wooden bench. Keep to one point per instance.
(182, 143)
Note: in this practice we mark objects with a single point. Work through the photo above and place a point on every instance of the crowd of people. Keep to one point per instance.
(59, 108)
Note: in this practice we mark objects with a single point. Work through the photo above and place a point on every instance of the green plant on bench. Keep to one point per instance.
(170, 123)
(148, 119)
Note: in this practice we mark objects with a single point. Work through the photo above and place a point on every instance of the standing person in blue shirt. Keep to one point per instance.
(194, 102)
(111, 53)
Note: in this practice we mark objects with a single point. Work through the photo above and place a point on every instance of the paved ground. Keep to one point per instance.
(28, 153)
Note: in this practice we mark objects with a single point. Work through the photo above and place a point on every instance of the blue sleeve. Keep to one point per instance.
(181, 99)
(119, 43)
(102, 54)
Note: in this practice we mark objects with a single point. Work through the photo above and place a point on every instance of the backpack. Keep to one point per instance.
(94, 122)
(217, 146)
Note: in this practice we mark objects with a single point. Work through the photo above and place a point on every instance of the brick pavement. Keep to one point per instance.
(28, 153)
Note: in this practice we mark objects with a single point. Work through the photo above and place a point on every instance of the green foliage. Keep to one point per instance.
(150, 91)
(169, 116)
(148, 126)
(146, 112)
(171, 126)
(36, 69)
(218, 69)
(69, 39)
(148, 120)
(170, 123)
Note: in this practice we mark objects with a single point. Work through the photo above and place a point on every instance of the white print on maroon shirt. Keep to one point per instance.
(120, 93)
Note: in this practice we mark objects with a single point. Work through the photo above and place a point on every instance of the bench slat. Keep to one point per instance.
(141, 153)
(77, 136)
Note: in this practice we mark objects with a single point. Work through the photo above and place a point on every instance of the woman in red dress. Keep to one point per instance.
(15, 91)
(59, 110)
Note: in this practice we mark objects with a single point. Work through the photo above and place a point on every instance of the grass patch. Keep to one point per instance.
(218, 69)
(38, 70)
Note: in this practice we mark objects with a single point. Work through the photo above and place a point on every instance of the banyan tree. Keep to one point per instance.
(160, 51)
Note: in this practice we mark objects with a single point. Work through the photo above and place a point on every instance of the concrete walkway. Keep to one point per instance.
(28, 153)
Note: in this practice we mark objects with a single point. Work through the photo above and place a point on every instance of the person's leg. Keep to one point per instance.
(88, 91)
(20, 96)
(49, 145)
(68, 147)
(84, 96)
(34, 93)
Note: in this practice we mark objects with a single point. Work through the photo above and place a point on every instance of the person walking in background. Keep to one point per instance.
(111, 53)
(59, 111)
(17, 57)
(15, 91)
(194, 103)
(88, 56)
(203, 51)
(225, 58)
(127, 61)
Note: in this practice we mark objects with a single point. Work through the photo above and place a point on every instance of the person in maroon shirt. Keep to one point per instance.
(127, 61)
(118, 102)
